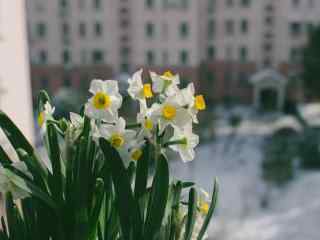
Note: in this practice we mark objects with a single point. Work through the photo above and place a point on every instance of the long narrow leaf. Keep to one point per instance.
(126, 204)
(192, 212)
(158, 199)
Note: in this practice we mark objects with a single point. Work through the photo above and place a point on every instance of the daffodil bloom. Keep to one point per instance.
(144, 118)
(137, 90)
(105, 102)
(185, 142)
(193, 103)
(117, 134)
(167, 83)
(10, 182)
(45, 115)
(171, 113)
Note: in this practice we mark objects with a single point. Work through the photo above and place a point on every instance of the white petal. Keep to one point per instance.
(96, 86)
(182, 118)
(111, 87)
(186, 154)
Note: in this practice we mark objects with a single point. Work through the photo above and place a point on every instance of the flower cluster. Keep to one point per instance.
(102, 173)
(162, 104)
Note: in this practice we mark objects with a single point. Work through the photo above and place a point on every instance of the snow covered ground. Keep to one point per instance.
(292, 212)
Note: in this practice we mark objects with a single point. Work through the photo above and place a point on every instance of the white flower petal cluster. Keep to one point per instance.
(117, 134)
(188, 140)
(105, 102)
(162, 104)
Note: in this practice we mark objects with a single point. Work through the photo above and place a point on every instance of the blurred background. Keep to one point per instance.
(256, 61)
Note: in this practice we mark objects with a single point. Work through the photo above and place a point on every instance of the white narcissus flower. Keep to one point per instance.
(144, 118)
(45, 115)
(135, 149)
(117, 134)
(194, 103)
(106, 100)
(10, 182)
(185, 142)
(137, 90)
(171, 113)
(166, 83)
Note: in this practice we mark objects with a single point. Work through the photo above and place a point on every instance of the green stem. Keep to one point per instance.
(133, 126)
(175, 142)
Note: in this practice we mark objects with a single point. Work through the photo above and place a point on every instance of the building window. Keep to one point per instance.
(150, 57)
(184, 57)
(229, 27)
(124, 67)
(211, 5)
(269, 21)
(295, 55)
(149, 29)
(165, 57)
(125, 51)
(149, 4)
(211, 28)
(243, 54)
(244, 26)
(211, 52)
(41, 30)
(97, 4)
(229, 3)
(184, 30)
(295, 3)
(98, 29)
(65, 29)
(82, 29)
(185, 4)
(295, 29)
(97, 57)
(245, 3)
(63, 3)
(66, 57)
(43, 57)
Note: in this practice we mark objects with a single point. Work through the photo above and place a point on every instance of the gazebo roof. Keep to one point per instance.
(268, 76)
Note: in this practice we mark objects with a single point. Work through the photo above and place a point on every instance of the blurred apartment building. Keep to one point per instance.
(219, 44)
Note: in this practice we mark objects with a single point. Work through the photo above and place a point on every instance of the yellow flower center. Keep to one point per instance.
(200, 103)
(148, 124)
(136, 154)
(116, 140)
(41, 119)
(101, 101)
(167, 74)
(147, 90)
(169, 112)
(204, 207)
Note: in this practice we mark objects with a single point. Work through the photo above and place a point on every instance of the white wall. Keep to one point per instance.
(15, 98)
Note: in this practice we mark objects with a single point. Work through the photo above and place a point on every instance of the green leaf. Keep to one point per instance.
(142, 172)
(14, 135)
(56, 181)
(4, 158)
(192, 212)
(211, 210)
(94, 218)
(126, 205)
(158, 199)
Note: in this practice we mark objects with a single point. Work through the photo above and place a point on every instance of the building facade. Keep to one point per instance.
(73, 41)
